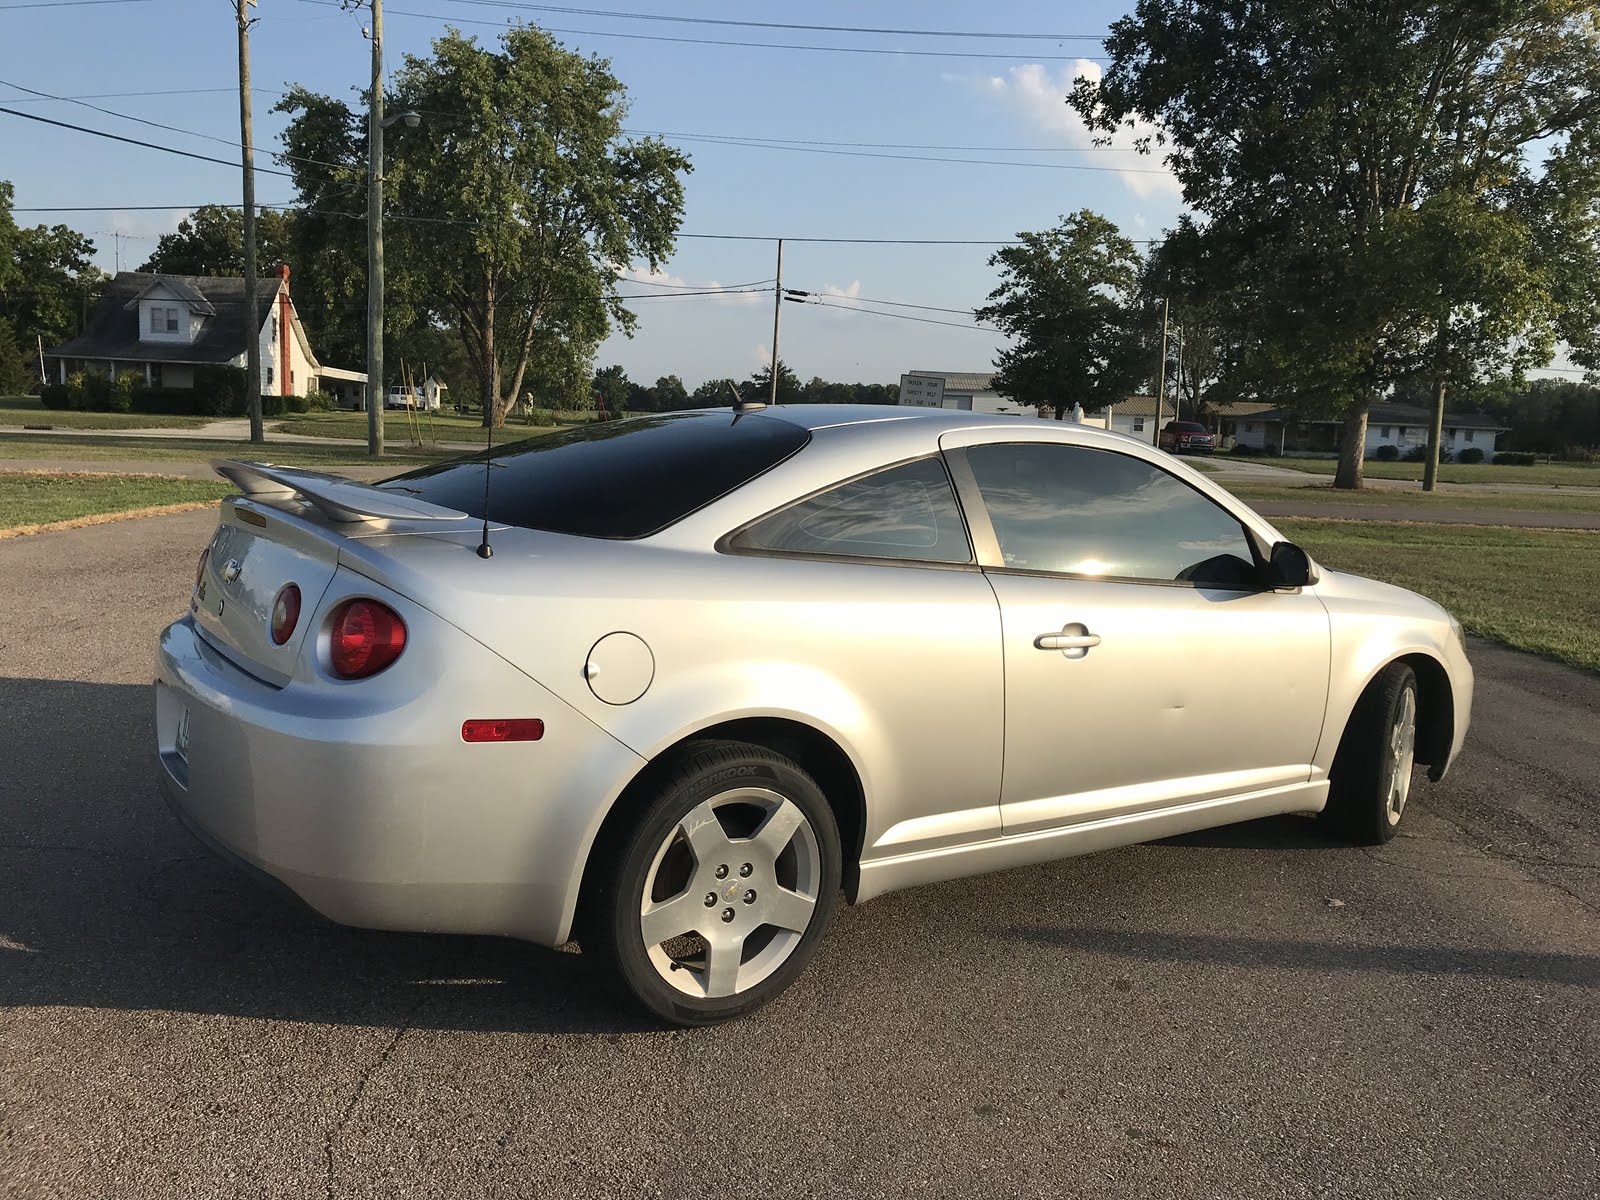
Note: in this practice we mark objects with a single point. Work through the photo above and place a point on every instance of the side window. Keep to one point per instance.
(905, 512)
(1079, 511)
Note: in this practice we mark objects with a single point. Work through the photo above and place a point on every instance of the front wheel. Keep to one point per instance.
(1371, 777)
(718, 894)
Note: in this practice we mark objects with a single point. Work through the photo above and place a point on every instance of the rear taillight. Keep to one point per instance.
(200, 566)
(364, 637)
(285, 614)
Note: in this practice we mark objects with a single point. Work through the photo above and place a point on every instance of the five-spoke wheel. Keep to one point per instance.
(721, 888)
(1371, 777)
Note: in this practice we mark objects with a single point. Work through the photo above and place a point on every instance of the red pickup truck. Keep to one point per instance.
(1187, 437)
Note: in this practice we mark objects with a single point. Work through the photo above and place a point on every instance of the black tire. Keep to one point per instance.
(1365, 768)
(654, 848)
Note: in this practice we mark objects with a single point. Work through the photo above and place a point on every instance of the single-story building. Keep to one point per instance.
(964, 391)
(167, 325)
(1136, 416)
(1403, 426)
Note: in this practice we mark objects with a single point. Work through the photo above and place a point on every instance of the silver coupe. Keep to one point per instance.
(670, 685)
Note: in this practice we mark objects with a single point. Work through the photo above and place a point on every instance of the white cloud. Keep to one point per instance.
(1041, 97)
(762, 355)
(842, 297)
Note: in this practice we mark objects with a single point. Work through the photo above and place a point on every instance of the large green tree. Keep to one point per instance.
(48, 280)
(759, 386)
(1069, 296)
(510, 206)
(1367, 164)
(210, 241)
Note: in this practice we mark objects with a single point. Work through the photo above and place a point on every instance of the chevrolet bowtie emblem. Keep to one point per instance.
(230, 570)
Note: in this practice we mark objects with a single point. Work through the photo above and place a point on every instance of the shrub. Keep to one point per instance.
(55, 395)
(320, 402)
(1577, 454)
(1470, 454)
(1415, 454)
(1246, 451)
(1515, 458)
(540, 416)
(179, 402)
(1386, 453)
(119, 393)
(225, 387)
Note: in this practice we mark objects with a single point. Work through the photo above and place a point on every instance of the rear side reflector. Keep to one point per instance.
(364, 637)
(200, 566)
(506, 729)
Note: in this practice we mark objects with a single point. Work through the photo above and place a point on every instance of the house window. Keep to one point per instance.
(1385, 433)
(172, 320)
(1249, 428)
(1469, 435)
(269, 375)
(1138, 424)
(156, 320)
(155, 374)
(274, 330)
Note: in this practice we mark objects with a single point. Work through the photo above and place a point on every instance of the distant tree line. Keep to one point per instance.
(48, 286)
(668, 394)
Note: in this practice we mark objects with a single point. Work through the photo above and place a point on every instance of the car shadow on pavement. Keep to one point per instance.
(1577, 970)
(1292, 831)
(107, 902)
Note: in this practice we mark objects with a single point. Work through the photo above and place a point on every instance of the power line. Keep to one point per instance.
(889, 145)
(894, 303)
(972, 162)
(117, 137)
(872, 312)
(232, 91)
(703, 286)
(633, 16)
(661, 37)
(707, 292)
(66, 3)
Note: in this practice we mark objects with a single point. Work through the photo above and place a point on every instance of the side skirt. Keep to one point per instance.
(1046, 845)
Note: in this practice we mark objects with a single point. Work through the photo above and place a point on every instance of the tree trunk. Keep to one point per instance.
(1353, 451)
(1430, 469)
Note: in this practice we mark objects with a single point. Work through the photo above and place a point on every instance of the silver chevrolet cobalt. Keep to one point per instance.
(669, 685)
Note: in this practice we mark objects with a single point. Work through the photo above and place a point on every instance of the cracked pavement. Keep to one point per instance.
(1252, 1011)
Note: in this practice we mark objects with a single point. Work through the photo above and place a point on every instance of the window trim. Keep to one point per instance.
(724, 544)
(991, 561)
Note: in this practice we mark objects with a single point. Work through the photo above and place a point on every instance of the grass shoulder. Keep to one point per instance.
(1529, 588)
(1327, 496)
(37, 498)
(92, 447)
(1543, 474)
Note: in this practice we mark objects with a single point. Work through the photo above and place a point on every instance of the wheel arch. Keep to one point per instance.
(1435, 708)
(819, 755)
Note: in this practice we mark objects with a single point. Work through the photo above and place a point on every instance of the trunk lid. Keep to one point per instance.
(286, 529)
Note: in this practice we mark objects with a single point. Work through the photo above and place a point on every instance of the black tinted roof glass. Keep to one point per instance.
(611, 479)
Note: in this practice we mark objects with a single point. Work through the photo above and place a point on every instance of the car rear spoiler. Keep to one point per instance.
(337, 498)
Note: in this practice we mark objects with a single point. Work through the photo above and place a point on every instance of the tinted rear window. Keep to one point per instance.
(611, 479)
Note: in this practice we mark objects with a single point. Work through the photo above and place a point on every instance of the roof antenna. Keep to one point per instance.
(741, 405)
(484, 549)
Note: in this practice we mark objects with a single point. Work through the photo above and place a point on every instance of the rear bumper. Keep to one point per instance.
(377, 814)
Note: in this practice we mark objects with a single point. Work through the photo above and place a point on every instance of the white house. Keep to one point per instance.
(965, 391)
(167, 325)
(1403, 426)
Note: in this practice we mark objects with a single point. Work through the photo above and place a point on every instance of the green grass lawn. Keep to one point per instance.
(401, 427)
(91, 447)
(1534, 589)
(1506, 501)
(28, 499)
(26, 410)
(1544, 474)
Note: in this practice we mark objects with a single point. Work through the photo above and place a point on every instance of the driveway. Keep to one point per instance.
(1251, 1012)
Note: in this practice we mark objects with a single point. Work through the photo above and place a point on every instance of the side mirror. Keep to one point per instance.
(1289, 566)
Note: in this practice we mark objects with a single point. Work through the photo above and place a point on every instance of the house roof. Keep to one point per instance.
(180, 287)
(960, 381)
(1395, 414)
(113, 329)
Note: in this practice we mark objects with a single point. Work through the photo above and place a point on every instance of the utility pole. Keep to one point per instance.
(252, 351)
(777, 311)
(375, 241)
(1161, 376)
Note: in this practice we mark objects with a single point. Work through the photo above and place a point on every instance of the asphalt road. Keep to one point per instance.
(1252, 1012)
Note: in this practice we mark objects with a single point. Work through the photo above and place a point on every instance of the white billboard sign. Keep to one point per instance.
(922, 391)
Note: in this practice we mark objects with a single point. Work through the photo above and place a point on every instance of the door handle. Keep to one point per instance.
(1074, 640)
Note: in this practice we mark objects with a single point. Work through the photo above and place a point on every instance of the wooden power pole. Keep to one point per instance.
(252, 353)
(777, 312)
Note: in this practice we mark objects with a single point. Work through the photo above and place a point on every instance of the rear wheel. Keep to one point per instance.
(716, 897)
(1371, 778)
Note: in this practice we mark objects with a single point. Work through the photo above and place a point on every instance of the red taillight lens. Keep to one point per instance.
(200, 566)
(506, 729)
(364, 637)
(285, 614)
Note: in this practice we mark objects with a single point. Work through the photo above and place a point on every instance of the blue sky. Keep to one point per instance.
(1006, 100)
